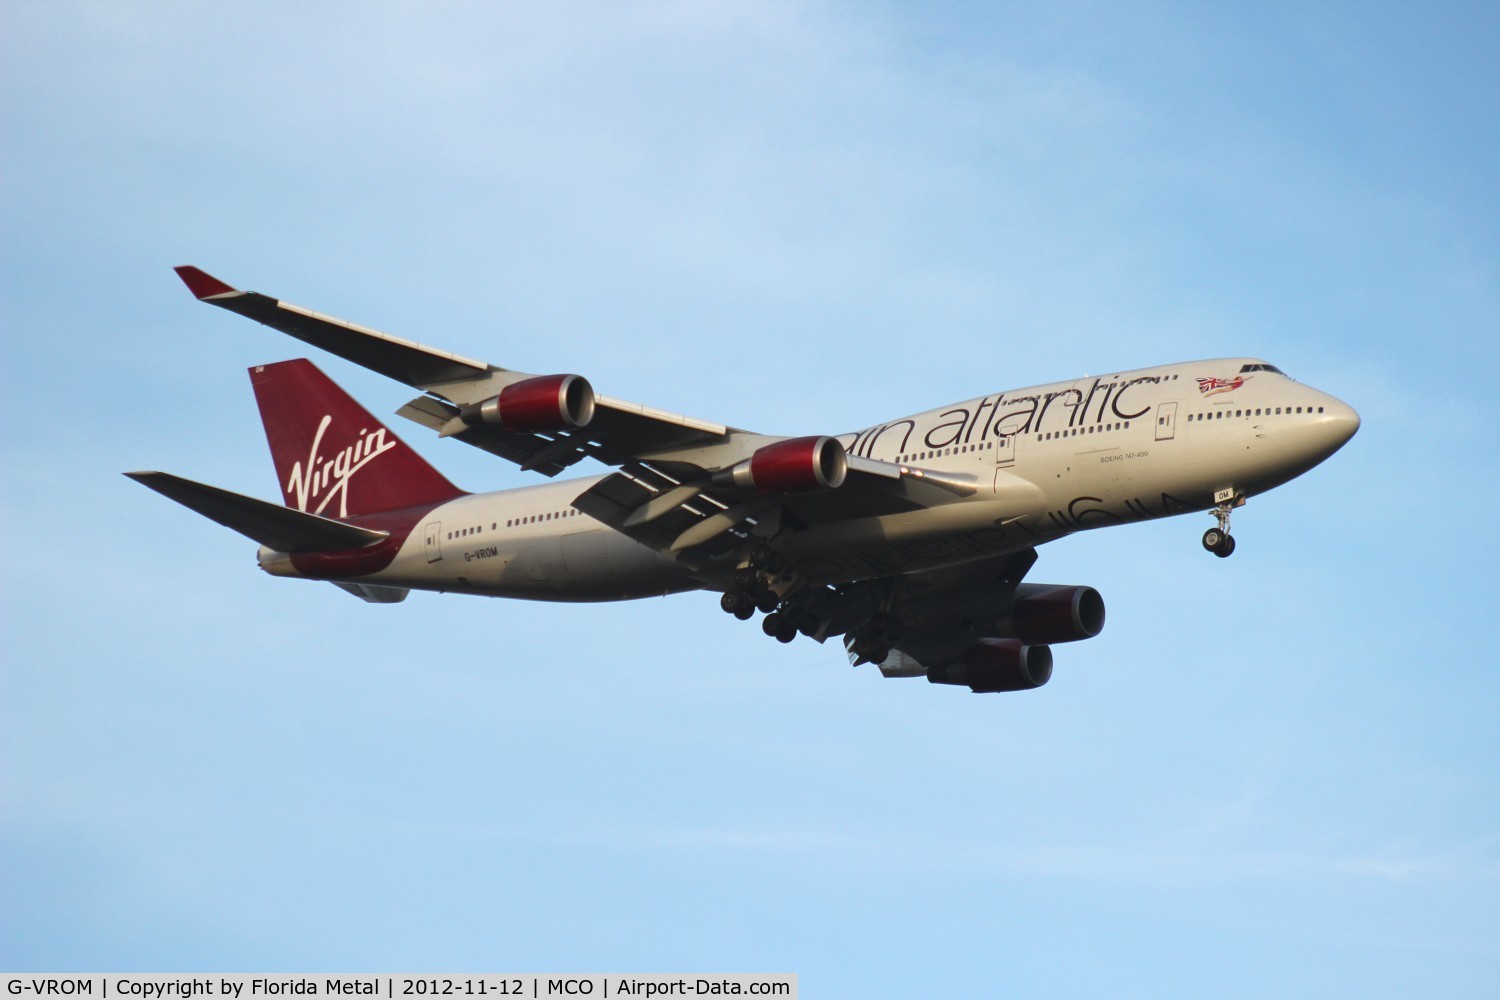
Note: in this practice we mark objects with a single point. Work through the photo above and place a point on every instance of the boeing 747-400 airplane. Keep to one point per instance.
(909, 539)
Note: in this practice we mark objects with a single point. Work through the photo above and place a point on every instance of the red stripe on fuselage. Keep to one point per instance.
(371, 558)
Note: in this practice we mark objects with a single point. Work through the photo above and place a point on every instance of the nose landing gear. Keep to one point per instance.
(1220, 543)
(1218, 540)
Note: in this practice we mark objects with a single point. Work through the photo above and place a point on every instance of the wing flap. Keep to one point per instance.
(677, 514)
(533, 452)
(272, 525)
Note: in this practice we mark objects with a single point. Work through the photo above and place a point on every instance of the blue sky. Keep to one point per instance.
(1271, 775)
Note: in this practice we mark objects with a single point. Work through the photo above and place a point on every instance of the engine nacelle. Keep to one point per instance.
(544, 403)
(1046, 613)
(997, 665)
(796, 465)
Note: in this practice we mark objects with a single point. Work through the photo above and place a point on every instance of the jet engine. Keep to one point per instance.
(544, 403)
(997, 665)
(796, 465)
(1047, 613)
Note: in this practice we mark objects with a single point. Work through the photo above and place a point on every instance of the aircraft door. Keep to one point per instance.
(432, 537)
(1007, 434)
(1166, 421)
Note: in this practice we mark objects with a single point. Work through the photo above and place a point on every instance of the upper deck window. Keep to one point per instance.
(1261, 368)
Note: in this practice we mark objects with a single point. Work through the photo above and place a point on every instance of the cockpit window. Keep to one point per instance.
(1261, 368)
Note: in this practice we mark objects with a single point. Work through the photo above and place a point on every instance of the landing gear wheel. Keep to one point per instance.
(766, 601)
(807, 622)
(1217, 540)
(1220, 543)
(745, 612)
(729, 601)
(779, 627)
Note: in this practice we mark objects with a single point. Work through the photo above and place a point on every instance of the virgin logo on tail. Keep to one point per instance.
(322, 479)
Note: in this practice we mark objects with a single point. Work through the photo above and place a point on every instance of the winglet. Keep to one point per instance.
(202, 284)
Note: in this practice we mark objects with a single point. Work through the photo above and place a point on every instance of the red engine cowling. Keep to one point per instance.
(1046, 613)
(796, 465)
(544, 403)
(997, 665)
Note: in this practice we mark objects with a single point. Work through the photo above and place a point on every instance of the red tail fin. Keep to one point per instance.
(331, 456)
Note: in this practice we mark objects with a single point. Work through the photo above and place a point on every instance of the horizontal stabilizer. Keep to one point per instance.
(272, 525)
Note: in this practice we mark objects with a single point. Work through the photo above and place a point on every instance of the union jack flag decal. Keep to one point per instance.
(1211, 386)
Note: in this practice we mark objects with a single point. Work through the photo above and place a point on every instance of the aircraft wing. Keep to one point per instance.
(619, 430)
(673, 490)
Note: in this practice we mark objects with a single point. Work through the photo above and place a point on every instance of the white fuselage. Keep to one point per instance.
(1049, 461)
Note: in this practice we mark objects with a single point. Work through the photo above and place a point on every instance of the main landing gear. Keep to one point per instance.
(754, 591)
(766, 584)
(1218, 540)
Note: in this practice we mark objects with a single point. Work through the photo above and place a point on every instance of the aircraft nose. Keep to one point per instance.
(1338, 423)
